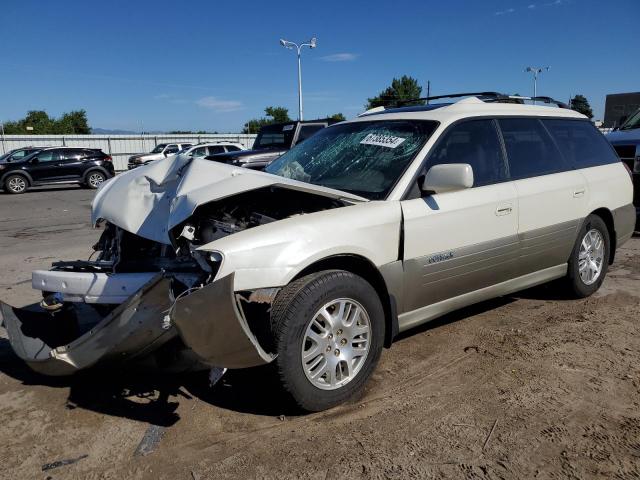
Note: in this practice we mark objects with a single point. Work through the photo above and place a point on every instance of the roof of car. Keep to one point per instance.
(467, 107)
(207, 144)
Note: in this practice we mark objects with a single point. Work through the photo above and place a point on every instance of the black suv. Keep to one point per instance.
(52, 165)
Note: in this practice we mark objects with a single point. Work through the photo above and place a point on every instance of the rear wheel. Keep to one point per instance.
(329, 331)
(16, 184)
(95, 179)
(589, 259)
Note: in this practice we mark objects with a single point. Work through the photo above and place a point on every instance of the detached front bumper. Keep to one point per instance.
(208, 321)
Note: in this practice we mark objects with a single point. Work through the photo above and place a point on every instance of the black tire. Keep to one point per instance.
(574, 282)
(292, 312)
(94, 179)
(16, 184)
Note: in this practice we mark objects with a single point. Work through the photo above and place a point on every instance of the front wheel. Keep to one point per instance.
(328, 329)
(16, 184)
(589, 259)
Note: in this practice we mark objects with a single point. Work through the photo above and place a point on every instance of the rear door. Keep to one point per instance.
(552, 197)
(461, 241)
(70, 164)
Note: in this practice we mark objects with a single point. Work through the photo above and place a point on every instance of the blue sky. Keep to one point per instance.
(212, 65)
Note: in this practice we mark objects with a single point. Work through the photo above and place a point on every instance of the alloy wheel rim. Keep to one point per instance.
(591, 257)
(336, 344)
(17, 184)
(96, 179)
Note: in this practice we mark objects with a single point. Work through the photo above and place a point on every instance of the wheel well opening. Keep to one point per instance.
(607, 218)
(363, 268)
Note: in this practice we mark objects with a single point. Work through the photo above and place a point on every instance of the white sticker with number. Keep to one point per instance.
(382, 140)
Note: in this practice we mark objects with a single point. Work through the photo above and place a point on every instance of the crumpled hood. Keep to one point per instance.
(150, 200)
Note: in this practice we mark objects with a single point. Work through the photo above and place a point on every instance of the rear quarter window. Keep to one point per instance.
(581, 143)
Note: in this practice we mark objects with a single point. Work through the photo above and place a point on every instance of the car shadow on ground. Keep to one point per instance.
(154, 397)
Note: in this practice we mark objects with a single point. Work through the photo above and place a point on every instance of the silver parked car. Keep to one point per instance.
(162, 150)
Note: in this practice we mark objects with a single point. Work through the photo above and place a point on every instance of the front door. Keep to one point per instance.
(44, 167)
(461, 241)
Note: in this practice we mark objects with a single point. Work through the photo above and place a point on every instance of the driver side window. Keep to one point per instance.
(474, 142)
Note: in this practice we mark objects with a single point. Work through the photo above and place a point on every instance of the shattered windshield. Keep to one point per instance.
(159, 148)
(363, 158)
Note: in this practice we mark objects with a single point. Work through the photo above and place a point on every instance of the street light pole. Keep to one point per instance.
(291, 46)
(536, 71)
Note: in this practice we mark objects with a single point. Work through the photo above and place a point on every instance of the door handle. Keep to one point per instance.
(504, 209)
(578, 193)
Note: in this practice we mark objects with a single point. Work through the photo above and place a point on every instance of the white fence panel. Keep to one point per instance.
(120, 147)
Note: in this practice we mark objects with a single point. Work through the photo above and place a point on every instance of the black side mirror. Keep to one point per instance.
(35, 160)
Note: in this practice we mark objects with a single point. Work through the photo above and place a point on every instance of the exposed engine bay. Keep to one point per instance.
(130, 292)
(216, 220)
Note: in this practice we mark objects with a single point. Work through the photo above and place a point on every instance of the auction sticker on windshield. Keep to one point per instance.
(382, 140)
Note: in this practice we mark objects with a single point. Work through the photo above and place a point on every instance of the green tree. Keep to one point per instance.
(338, 117)
(38, 122)
(73, 122)
(403, 88)
(579, 103)
(274, 115)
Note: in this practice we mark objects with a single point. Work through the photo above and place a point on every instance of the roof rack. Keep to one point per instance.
(488, 97)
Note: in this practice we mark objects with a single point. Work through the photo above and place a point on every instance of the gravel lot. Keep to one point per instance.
(527, 386)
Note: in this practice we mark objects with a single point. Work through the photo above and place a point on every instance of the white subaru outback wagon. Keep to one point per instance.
(370, 227)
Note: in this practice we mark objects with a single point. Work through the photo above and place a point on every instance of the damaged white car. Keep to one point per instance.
(366, 229)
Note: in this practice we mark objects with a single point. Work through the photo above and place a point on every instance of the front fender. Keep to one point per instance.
(273, 254)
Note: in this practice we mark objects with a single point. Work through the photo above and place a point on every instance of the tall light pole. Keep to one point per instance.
(536, 71)
(294, 46)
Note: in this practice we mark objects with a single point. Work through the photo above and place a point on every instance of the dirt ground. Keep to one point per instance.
(527, 386)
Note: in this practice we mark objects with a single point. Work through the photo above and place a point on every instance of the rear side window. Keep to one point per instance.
(474, 142)
(581, 143)
(307, 130)
(213, 150)
(530, 150)
(71, 154)
(232, 148)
